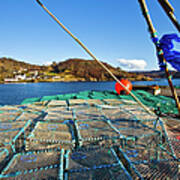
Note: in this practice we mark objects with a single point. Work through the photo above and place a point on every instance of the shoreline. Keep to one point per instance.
(78, 80)
(52, 81)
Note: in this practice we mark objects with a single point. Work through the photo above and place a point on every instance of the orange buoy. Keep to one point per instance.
(119, 89)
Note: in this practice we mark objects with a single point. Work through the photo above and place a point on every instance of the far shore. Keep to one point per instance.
(50, 80)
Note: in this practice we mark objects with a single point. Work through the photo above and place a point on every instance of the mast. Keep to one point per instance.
(159, 50)
(169, 10)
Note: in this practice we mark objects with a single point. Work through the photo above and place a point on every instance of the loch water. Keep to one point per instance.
(11, 94)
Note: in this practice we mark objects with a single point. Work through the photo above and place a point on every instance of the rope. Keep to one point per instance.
(98, 61)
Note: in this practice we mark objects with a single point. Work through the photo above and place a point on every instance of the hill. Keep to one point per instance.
(68, 70)
(9, 66)
(90, 70)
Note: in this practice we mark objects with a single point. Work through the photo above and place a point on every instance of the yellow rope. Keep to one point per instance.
(89, 52)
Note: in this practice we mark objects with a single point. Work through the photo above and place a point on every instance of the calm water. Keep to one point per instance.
(15, 93)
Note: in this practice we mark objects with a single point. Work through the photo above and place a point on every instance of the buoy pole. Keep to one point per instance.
(169, 10)
(159, 50)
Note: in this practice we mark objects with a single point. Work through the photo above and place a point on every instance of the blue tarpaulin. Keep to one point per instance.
(171, 56)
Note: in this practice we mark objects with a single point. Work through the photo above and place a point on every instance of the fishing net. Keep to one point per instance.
(88, 113)
(164, 104)
(30, 100)
(95, 131)
(8, 116)
(58, 114)
(50, 135)
(34, 165)
(159, 170)
(95, 163)
(4, 154)
(57, 103)
(100, 139)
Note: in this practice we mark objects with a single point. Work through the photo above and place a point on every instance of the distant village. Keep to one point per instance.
(28, 75)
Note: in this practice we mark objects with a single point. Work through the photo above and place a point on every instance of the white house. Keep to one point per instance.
(20, 77)
(10, 80)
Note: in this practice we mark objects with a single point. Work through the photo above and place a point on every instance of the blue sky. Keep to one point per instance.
(112, 29)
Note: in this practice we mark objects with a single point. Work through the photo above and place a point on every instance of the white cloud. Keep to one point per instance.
(132, 64)
(47, 63)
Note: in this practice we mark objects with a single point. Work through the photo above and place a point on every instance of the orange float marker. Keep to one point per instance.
(119, 89)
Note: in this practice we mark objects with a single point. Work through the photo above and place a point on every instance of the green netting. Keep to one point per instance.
(111, 94)
(31, 100)
(165, 104)
(84, 93)
(66, 96)
(97, 95)
(82, 97)
(49, 98)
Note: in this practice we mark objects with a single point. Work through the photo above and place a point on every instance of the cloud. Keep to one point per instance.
(133, 64)
(47, 63)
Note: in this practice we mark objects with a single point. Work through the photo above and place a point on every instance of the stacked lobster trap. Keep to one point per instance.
(85, 139)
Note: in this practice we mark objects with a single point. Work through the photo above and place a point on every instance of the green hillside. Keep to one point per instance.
(69, 70)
